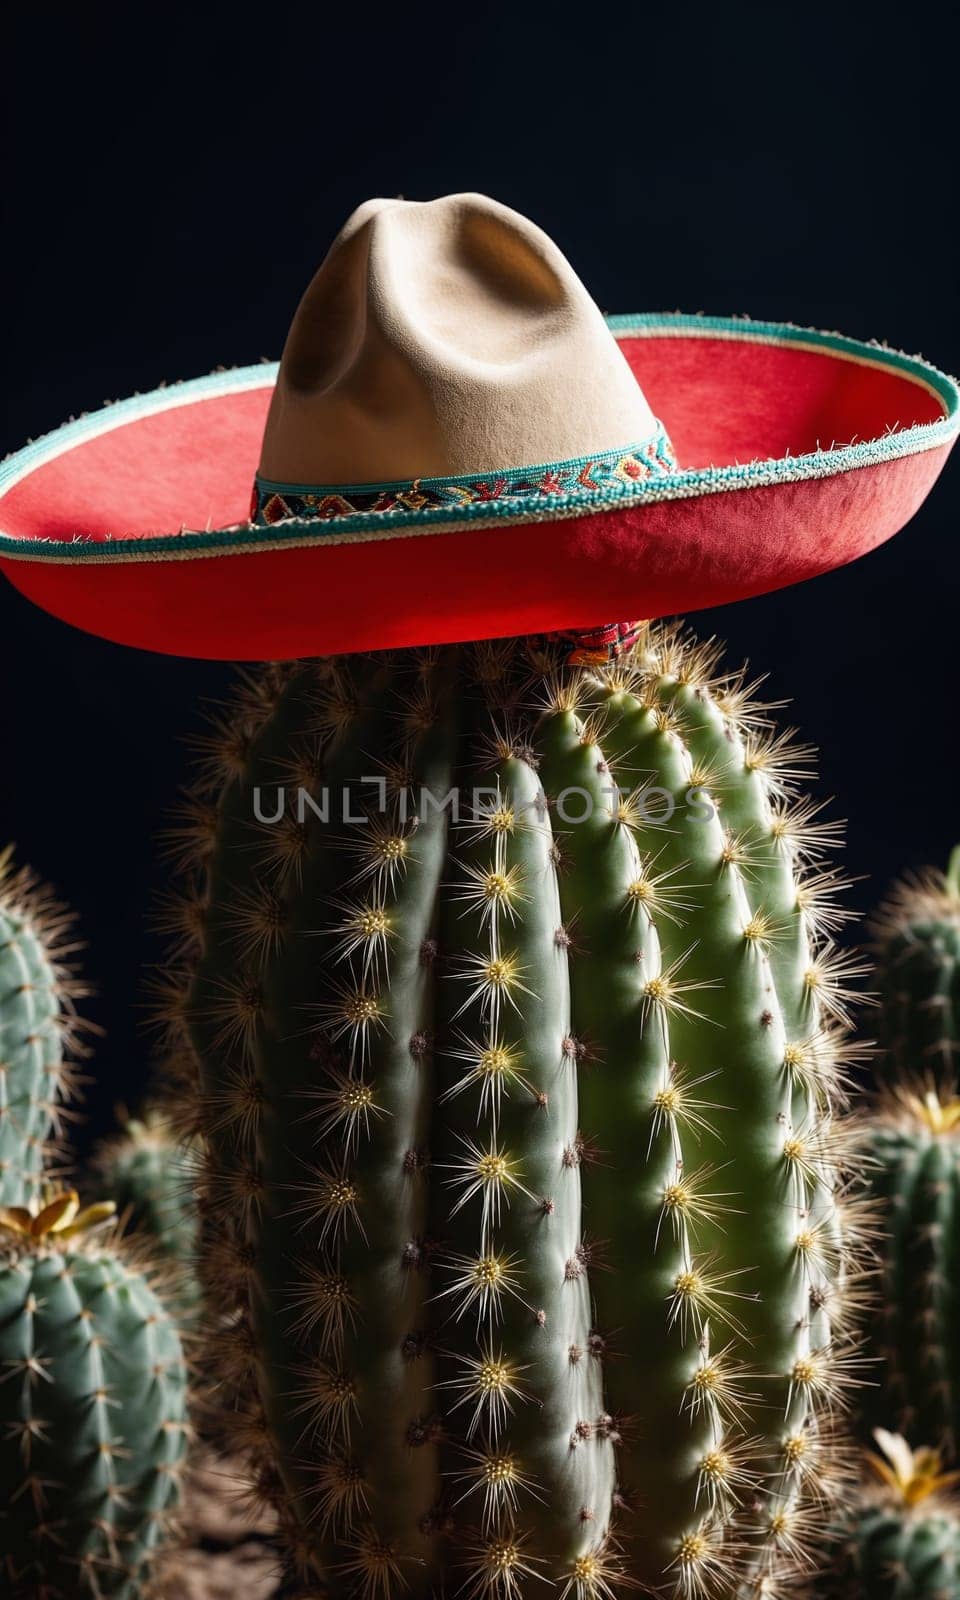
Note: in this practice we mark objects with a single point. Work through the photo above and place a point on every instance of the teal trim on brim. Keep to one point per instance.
(364, 526)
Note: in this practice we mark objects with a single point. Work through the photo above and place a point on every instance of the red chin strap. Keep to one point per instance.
(594, 647)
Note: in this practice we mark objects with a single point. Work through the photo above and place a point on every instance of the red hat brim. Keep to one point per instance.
(800, 452)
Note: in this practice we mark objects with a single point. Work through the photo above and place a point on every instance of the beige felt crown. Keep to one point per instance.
(441, 338)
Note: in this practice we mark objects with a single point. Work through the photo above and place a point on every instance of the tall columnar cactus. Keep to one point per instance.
(38, 1029)
(917, 936)
(151, 1175)
(901, 1540)
(524, 1166)
(913, 1139)
(93, 1424)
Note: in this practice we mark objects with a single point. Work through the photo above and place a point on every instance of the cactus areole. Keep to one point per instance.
(518, 1038)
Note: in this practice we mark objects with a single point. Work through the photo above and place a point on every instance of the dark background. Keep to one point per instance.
(171, 185)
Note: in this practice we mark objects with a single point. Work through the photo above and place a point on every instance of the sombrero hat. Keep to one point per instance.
(457, 445)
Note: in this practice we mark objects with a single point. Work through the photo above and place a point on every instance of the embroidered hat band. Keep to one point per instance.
(609, 473)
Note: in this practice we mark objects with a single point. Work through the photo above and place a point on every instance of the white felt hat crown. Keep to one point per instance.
(445, 337)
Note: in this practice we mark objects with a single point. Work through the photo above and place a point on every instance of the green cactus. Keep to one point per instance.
(912, 1137)
(523, 1166)
(38, 1030)
(151, 1175)
(901, 1541)
(917, 948)
(93, 1402)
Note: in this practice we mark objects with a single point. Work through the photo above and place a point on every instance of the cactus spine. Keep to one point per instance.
(913, 1139)
(523, 1157)
(92, 1407)
(38, 1029)
(917, 936)
(902, 1540)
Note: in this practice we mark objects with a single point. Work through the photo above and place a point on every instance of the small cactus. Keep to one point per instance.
(525, 1175)
(93, 1408)
(38, 1030)
(151, 1175)
(901, 1540)
(917, 946)
(912, 1137)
